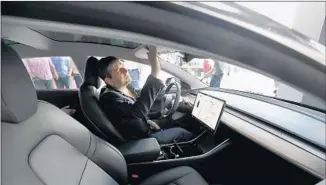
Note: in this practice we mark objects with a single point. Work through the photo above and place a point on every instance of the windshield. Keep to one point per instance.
(222, 75)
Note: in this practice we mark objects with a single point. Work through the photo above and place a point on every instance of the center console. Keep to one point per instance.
(207, 111)
(178, 150)
(149, 151)
(197, 152)
(141, 150)
(191, 153)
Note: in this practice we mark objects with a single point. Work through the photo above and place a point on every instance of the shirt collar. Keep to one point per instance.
(129, 86)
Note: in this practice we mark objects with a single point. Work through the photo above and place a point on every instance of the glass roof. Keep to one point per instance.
(68, 37)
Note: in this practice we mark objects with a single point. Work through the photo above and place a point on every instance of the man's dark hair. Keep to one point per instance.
(103, 65)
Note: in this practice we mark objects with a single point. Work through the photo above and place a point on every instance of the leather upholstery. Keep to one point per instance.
(47, 146)
(51, 146)
(15, 107)
(177, 176)
(141, 150)
(90, 75)
(98, 122)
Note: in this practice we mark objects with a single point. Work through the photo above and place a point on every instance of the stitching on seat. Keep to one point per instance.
(110, 146)
(91, 157)
(28, 157)
(93, 152)
(33, 148)
(113, 148)
(89, 145)
(81, 177)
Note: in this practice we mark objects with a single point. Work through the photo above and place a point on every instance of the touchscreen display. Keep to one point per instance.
(208, 110)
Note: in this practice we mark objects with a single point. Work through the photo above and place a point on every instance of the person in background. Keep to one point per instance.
(206, 66)
(75, 72)
(217, 75)
(64, 71)
(134, 74)
(41, 71)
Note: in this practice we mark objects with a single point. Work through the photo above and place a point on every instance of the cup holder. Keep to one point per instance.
(171, 152)
(174, 152)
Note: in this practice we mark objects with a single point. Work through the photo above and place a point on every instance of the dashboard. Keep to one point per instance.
(292, 149)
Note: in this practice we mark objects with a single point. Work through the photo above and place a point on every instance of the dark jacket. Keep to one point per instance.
(128, 115)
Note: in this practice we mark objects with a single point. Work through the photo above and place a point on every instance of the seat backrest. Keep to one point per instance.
(43, 145)
(99, 123)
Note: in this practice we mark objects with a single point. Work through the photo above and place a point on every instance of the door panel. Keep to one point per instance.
(60, 97)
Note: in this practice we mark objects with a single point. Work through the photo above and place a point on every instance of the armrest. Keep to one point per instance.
(142, 150)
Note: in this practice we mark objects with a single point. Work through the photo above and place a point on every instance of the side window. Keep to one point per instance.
(139, 73)
(220, 74)
(55, 72)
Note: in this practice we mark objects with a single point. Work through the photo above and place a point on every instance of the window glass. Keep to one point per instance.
(55, 72)
(220, 74)
(223, 75)
(139, 73)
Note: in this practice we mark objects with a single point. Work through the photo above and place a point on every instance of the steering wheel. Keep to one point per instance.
(170, 102)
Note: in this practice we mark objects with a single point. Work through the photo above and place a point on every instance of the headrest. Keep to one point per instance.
(18, 95)
(91, 75)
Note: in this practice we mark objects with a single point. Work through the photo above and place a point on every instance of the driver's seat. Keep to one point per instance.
(98, 122)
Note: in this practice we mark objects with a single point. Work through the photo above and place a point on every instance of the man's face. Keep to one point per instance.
(119, 75)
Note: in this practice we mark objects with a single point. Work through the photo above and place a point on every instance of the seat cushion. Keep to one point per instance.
(177, 176)
(51, 147)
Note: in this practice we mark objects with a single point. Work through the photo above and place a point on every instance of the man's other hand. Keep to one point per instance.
(68, 110)
(153, 125)
(155, 64)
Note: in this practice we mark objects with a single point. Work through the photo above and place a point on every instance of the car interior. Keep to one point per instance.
(41, 144)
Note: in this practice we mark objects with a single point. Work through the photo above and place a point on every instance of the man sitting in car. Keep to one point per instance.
(127, 111)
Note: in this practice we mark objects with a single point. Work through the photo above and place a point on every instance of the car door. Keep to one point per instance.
(59, 97)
